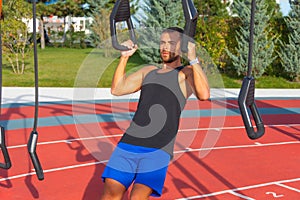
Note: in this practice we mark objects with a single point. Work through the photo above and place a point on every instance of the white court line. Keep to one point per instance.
(237, 127)
(240, 189)
(50, 94)
(240, 195)
(238, 146)
(288, 187)
(66, 141)
(53, 170)
(183, 151)
(119, 135)
(224, 102)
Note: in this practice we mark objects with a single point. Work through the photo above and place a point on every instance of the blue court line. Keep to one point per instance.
(113, 117)
(105, 101)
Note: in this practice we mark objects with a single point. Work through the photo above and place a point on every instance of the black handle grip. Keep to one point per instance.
(31, 145)
(191, 17)
(7, 162)
(121, 12)
(245, 101)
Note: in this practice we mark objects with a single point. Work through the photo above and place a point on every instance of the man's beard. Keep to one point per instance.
(171, 59)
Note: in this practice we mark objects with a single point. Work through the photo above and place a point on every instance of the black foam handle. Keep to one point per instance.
(7, 162)
(245, 101)
(31, 145)
(191, 17)
(121, 12)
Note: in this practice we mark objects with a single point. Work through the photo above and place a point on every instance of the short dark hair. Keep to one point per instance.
(173, 29)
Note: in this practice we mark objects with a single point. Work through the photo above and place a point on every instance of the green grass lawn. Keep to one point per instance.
(57, 68)
(65, 67)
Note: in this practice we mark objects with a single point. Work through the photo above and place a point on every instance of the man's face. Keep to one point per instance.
(169, 46)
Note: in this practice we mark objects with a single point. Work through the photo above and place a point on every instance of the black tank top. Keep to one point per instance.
(156, 120)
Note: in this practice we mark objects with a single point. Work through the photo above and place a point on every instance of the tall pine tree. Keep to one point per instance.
(290, 52)
(263, 46)
(278, 29)
(99, 12)
(158, 15)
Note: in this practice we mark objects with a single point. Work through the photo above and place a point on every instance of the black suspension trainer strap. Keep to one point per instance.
(32, 142)
(191, 17)
(7, 163)
(246, 97)
(121, 13)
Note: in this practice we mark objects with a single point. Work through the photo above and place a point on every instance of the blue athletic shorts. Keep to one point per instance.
(130, 163)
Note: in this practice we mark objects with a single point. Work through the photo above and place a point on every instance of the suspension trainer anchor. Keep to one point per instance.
(32, 141)
(121, 13)
(31, 145)
(246, 98)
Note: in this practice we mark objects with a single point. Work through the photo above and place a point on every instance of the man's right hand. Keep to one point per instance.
(131, 46)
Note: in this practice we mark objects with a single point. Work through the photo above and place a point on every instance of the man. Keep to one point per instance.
(144, 152)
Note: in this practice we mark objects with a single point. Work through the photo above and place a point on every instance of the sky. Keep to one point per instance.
(284, 6)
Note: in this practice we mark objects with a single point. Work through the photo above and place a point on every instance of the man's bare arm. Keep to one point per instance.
(121, 83)
(199, 80)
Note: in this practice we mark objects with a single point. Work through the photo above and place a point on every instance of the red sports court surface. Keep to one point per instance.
(214, 158)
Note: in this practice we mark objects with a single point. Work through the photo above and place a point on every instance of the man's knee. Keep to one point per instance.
(112, 190)
(140, 192)
(139, 196)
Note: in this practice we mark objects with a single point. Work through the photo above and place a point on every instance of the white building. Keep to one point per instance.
(57, 24)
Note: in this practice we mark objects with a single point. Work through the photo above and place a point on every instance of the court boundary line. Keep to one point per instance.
(104, 161)
(240, 195)
(237, 146)
(231, 191)
(119, 135)
(188, 150)
(240, 189)
(53, 170)
(288, 187)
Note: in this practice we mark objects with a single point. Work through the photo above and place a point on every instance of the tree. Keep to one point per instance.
(278, 27)
(263, 46)
(213, 28)
(14, 33)
(158, 15)
(99, 11)
(42, 11)
(290, 53)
